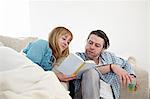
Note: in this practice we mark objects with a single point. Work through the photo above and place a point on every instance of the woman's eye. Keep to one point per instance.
(64, 38)
(68, 42)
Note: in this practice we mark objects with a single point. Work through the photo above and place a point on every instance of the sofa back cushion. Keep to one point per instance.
(17, 43)
(1, 44)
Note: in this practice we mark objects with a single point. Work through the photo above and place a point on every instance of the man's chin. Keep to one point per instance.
(90, 56)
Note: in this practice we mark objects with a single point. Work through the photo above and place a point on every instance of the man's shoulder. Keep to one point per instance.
(80, 53)
(107, 53)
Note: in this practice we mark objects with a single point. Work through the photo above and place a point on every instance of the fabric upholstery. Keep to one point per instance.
(1, 44)
(16, 43)
(142, 77)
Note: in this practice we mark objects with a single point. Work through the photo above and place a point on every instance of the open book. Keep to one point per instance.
(74, 65)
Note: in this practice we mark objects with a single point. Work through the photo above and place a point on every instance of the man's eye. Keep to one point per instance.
(90, 42)
(98, 45)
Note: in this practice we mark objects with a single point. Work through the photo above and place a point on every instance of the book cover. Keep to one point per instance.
(74, 65)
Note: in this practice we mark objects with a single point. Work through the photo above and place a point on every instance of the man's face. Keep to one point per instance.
(94, 46)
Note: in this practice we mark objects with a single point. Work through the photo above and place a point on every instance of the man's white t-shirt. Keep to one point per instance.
(105, 89)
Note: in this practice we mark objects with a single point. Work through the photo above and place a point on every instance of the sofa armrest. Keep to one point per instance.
(143, 90)
(16, 43)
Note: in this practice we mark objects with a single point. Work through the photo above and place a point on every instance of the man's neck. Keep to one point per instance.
(96, 60)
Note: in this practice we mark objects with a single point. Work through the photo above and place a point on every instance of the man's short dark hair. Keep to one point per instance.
(102, 35)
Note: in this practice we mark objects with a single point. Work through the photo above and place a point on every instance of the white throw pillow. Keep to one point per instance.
(20, 78)
(11, 59)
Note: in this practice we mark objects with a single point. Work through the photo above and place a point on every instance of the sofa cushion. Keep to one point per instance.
(1, 44)
(16, 43)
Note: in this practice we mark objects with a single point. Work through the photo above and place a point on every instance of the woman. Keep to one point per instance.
(46, 53)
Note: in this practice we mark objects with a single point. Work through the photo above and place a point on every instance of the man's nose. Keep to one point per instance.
(92, 46)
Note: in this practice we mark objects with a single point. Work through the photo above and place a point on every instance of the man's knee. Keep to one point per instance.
(92, 73)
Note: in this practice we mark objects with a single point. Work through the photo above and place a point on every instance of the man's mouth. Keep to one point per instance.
(91, 52)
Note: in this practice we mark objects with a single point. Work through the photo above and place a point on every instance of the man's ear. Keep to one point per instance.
(103, 50)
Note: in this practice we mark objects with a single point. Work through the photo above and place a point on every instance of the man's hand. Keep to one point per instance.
(64, 78)
(137, 83)
(124, 76)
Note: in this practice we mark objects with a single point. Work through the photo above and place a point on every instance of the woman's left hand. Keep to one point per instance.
(65, 78)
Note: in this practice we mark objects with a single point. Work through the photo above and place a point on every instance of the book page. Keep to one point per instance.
(70, 64)
(87, 65)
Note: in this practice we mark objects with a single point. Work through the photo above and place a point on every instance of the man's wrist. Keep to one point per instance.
(110, 66)
(133, 75)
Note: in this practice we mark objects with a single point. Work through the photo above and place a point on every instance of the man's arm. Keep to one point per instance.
(124, 76)
(104, 69)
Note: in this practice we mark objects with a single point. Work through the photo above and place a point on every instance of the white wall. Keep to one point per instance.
(14, 17)
(2, 16)
(125, 22)
(148, 37)
(149, 28)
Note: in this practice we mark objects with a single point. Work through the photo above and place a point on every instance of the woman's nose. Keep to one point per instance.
(66, 43)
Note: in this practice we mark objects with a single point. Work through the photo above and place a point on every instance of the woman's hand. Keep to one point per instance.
(65, 78)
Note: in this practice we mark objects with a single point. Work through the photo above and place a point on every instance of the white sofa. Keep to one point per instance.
(142, 76)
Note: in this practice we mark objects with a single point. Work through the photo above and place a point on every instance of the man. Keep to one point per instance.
(112, 70)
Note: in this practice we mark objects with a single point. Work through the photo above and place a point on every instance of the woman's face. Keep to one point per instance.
(64, 41)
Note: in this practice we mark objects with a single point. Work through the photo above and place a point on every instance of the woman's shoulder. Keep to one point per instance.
(40, 44)
(45, 44)
(42, 41)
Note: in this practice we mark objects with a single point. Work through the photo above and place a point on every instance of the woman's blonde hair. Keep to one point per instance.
(53, 41)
